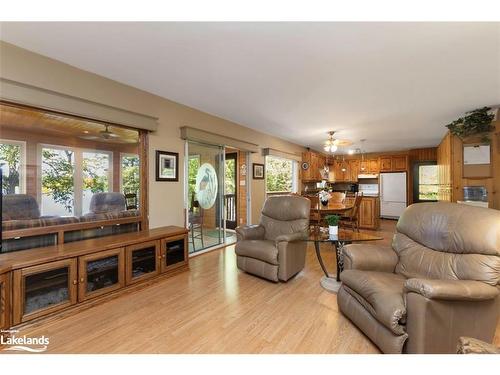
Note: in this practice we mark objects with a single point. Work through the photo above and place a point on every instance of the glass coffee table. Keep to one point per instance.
(344, 237)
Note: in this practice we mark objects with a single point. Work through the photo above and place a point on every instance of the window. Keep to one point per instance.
(129, 172)
(194, 163)
(58, 184)
(68, 185)
(97, 177)
(12, 162)
(425, 182)
(280, 175)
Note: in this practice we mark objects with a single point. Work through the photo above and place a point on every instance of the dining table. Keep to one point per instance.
(331, 208)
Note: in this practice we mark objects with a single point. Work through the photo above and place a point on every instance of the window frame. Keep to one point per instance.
(22, 162)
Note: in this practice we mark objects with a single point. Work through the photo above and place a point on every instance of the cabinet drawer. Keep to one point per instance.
(44, 289)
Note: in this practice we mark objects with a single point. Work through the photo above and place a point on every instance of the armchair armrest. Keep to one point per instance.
(369, 258)
(468, 345)
(250, 232)
(298, 236)
(456, 290)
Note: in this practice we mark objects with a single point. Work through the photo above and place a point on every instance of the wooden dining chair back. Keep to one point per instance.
(337, 197)
(352, 217)
(314, 216)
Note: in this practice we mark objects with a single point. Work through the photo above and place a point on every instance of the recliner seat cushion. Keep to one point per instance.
(381, 293)
(258, 249)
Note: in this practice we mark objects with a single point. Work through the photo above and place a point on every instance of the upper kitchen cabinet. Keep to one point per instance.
(369, 166)
(314, 163)
(354, 170)
(393, 163)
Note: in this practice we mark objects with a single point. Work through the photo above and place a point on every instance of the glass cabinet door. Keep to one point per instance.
(40, 290)
(100, 273)
(173, 252)
(4, 301)
(143, 261)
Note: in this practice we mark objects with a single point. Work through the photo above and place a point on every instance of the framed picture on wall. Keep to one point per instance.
(258, 171)
(167, 166)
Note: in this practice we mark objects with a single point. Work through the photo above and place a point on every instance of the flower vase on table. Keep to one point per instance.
(324, 197)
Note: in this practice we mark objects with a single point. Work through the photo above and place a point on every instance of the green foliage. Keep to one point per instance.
(194, 164)
(279, 174)
(130, 174)
(475, 122)
(10, 155)
(57, 176)
(332, 220)
(92, 180)
(230, 177)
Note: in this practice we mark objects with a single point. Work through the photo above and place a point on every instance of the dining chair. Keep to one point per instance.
(351, 218)
(314, 216)
(337, 197)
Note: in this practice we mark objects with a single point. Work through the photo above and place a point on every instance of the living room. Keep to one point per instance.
(250, 188)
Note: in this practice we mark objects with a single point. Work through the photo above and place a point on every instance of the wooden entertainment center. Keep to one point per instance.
(43, 282)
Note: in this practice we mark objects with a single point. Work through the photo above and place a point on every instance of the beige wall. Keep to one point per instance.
(166, 198)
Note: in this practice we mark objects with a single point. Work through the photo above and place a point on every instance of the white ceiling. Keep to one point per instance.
(395, 84)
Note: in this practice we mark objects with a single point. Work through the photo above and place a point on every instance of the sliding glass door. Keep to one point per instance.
(205, 193)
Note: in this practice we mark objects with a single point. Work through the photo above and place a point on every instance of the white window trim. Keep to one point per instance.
(77, 175)
(22, 162)
(295, 174)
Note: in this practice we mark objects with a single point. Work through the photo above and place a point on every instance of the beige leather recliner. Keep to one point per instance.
(439, 281)
(275, 249)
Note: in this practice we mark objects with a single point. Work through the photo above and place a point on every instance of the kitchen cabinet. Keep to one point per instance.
(369, 213)
(354, 170)
(4, 300)
(342, 170)
(316, 163)
(373, 166)
(393, 163)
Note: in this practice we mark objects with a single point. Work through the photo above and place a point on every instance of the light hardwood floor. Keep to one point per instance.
(215, 308)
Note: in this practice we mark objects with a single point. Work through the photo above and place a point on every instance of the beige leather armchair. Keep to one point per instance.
(438, 282)
(275, 249)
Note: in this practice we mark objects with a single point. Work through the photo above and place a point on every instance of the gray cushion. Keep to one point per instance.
(19, 207)
(107, 202)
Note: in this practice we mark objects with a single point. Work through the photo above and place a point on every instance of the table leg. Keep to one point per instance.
(320, 259)
(340, 257)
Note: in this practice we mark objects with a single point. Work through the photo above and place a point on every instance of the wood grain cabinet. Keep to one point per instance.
(174, 252)
(400, 163)
(385, 164)
(373, 166)
(369, 213)
(354, 170)
(100, 273)
(393, 163)
(316, 163)
(4, 300)
(43, 289)
(142, 261)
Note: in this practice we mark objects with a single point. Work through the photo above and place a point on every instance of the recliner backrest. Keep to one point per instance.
(19, 207)
(285, 214)
(107, 202)
(448, 241)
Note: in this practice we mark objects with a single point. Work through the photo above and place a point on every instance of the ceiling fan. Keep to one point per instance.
(105, 134)
(332, 144)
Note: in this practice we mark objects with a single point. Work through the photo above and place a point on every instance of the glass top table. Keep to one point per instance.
(344, 237)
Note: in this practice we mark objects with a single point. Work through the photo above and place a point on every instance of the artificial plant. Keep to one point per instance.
(474, 122)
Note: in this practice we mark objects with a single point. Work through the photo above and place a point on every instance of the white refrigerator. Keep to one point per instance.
(392, 194)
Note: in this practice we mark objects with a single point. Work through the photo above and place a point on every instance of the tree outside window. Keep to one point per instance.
(279, 175)
(10, 161)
